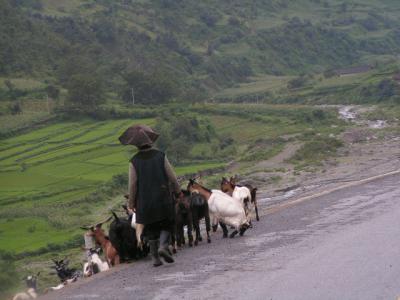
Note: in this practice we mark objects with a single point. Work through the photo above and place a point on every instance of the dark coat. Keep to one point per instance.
(153, 198)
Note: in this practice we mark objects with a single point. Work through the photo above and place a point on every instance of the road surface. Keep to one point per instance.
(344, 245)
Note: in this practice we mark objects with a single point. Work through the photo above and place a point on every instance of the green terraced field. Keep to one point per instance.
(45, 174)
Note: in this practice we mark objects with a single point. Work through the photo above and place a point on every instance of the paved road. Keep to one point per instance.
(345, 245)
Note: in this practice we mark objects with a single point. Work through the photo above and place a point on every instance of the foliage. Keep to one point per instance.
(297, 82)
(52, 91)
(200, 47)
(384, 90)
(155, 88)
(85, 90)
(315, 150)
(8, 274)
(180, 132)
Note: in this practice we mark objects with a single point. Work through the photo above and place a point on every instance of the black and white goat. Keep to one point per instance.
(65, 273)
(94, 264)
(31, 293)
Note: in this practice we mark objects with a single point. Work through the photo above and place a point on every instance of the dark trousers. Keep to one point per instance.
(153, 230)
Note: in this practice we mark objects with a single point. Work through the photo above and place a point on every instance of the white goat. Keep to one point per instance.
(227, 209)
(223, 207)
(243, 194)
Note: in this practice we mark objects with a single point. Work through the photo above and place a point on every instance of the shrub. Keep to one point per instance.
(8, 274)
(297, 82)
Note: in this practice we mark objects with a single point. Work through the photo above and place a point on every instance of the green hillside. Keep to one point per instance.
(205, 45)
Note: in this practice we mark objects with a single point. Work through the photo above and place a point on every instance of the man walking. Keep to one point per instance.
(151, 178)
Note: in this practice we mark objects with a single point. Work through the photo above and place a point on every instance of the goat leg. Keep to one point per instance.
(243, 228)
(257, 217)
(208, 227)
(190, 230)
(233, 234)
(224, 230)
(190, 237)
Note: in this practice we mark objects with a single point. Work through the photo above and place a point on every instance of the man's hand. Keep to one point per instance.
(131, 211)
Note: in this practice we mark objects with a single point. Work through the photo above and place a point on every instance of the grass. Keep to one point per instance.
(9, 123)
(36, 233)
(314, 151)
(22, 83)
(55, 166)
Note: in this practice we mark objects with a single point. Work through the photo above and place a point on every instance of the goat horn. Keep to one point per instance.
(115, 216)
(105, 221)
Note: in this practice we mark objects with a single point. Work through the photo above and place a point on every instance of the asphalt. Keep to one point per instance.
(341, 245)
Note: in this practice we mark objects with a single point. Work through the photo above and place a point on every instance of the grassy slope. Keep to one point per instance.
(260, 38)
(51, 167)
(317, 89)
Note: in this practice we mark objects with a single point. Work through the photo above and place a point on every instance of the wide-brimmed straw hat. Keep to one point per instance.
(139, 136)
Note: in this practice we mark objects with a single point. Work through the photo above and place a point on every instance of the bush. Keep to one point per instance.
(85, 91)
(149, 88)
(316, 150)
(180, 132)
(297, 82)
(8, 274)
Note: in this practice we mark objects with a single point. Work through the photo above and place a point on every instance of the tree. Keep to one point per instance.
(86, 91)
(297, 82)
(180, 132)
(155, 88)
(52, 91)
(15, 109)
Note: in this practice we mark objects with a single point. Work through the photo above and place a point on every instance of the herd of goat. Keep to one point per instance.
(233, 205)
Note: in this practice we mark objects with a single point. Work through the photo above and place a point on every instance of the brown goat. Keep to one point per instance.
(101, 239)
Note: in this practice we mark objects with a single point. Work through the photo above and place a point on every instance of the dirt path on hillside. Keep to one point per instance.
(371, 147)
(280, 159)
